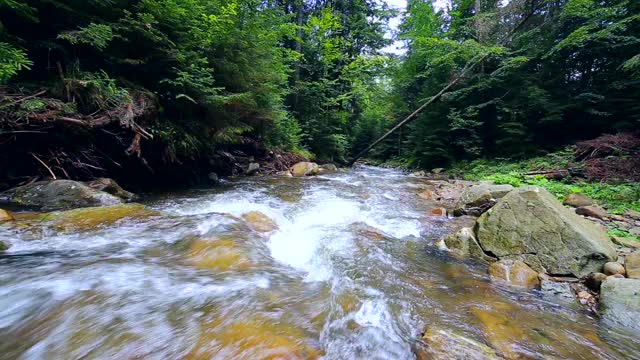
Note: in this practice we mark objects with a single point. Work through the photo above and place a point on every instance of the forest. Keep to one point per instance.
(174, 89)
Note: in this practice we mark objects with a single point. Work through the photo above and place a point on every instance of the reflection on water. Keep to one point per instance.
(346, 272)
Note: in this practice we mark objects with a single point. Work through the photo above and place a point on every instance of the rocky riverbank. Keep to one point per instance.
(527, 238)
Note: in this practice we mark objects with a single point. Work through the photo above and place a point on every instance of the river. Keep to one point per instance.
(350, 273)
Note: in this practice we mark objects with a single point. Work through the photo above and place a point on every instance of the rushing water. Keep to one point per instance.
(350, 273)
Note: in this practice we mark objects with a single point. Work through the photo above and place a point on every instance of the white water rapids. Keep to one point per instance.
(350, 273)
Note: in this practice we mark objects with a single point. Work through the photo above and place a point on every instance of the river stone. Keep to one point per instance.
(578, 200)
(260, 222)
(478, 198)
(515, 272)
(593, 212)
(302, 169)
(632, 265)
(464, 242)
(327, 169)
(59, 195)
(110, 186)
(4, 246)
(445, 344)
(5, 216)
(626, 242)
(620, 302)
(252, 169)
(613, 268)
(529, 223)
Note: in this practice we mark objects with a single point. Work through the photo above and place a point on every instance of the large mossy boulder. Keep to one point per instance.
(463, 242)
(59, 195)
(477, 199)
(303, 169)
(530, 224)
(620, 302)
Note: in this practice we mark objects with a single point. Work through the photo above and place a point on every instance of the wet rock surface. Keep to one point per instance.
(620, 302)
(59, 195)
(531, 224)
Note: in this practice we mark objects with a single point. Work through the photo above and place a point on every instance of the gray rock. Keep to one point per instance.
(464, 242)
(111, 186)
(252, 169)
(635, 231)
(479, 198)
(624, 242)
(530, 224)
(560, 289)
(213, 177)
(620, 302)
(60, 194)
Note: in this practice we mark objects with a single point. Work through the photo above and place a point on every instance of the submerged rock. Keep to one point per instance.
(85, 219)
(445, 344)
(6, 216)
(218, 254)
(302, 169)
(620, 302)
(260, 222)
(477, 199)
(4, 246)
(530, 224)
(59, 195)
(514, 272)
(578, 200)
(111, 187)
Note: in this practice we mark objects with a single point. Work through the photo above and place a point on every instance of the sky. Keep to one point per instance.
(394, 23)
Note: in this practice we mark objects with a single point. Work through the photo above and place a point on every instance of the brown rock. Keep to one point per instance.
(578, 200)
(445, 344)
(442, 212)
(514, 272)
(632, 265)
(594, 280)
(260, 222)
(427, 195)
(593, 212)
(6, 216)
(614, 268)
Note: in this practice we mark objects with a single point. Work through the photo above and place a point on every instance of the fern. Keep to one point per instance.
(12, 60)
(96, 35)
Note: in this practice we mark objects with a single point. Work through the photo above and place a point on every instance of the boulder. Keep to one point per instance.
(213, 177)
(59, 195)
(620, 302)
(111, 187)
(4, 246)
(593, 212)
(252, 169)
(302, 169)
(327, 169)
(614, 268)
(5, 216)
(514, 272)
(477, 199)
(632, 265)
(464, 242)
(284, 173)
(578, 200)
(446, 344)
(437, 170)
(530, 224)
(260, 222)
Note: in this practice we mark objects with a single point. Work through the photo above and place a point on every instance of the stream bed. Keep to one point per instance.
(350, 272)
